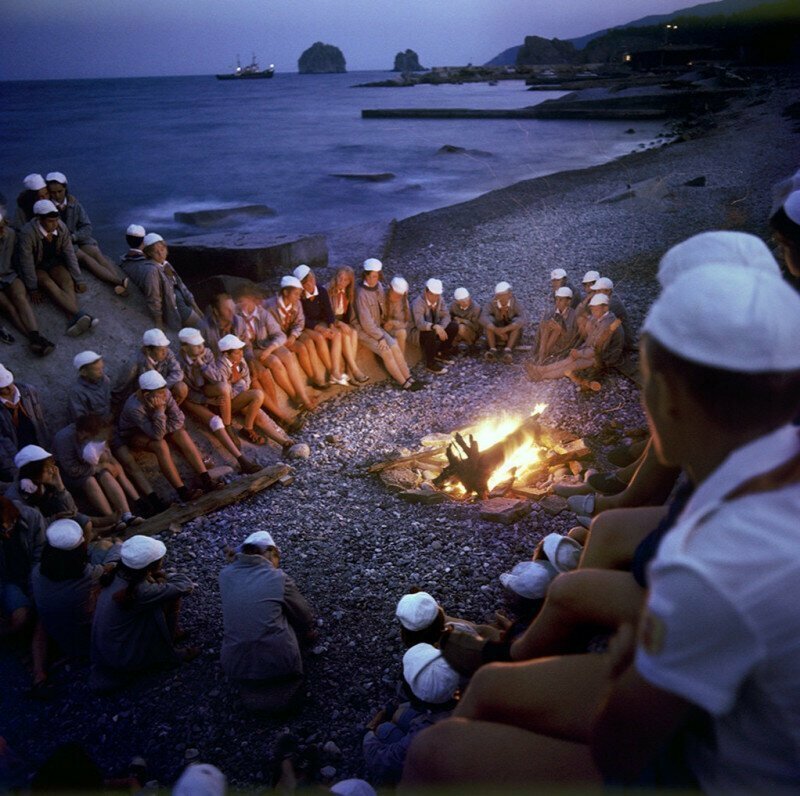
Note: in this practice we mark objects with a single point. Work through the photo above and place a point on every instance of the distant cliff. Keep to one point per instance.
(320, 59)
(407, 62)
(537, 50)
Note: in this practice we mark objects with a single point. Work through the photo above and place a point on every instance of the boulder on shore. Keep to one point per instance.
(321, 59)
(222, 215)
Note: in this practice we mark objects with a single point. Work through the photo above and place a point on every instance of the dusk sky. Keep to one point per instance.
(50, 39)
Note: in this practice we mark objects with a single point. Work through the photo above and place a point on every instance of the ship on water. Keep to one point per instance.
(250, 72)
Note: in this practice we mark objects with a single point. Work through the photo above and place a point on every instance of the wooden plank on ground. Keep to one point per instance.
(211, 501)
(419, 457)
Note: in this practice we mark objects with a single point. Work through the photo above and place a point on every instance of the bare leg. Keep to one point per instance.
(222, 393)
(96, 497)
(186, 446)
(165, 461)
(131, 493)
(320, 347)
(113, 492)
(577, 600)
(179, 392)
(513, 338)
(263, 377)
(113, 274)
(96, 267)
(400, 362)
(350, 349)
(317, 374)
(248, 403)
(336, 342)
(280, 374)
(9, 309)
(296, 377)
(401, 337)
(563, 367)
(615, 534)
(62, 293)
(132, 469)
(390, 361)
(272, 429)
(491, 338)
(205, 415)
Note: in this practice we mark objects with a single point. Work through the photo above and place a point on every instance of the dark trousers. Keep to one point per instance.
(431, 345)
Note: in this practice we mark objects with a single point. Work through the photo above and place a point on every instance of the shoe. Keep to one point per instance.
(40, 346)
(248, 466)
(186, 495)
(445, 360)
(131, 519)
(491, 355)
(362, 379)
(122, 288)
(80, 323)
(341, 380)
(94, 322)
(417, 385)
(436, 368)
(582, 505)
(621, 456)
(157, 505)
(6, 336)
(508, 358)
(253, 436)
(606, 483)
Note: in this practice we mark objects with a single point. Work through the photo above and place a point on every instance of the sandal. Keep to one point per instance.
(253, 436)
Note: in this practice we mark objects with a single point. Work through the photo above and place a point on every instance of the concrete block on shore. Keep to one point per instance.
(223, 215)
(249, 255)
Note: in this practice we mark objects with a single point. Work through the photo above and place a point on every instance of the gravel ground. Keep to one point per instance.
(353, 548)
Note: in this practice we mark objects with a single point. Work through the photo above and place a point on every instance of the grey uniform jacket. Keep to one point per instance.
(131, 262)
(425, 316)
(616, 306)
(261, 606)
(127, 380)
(259, 329)
(370, 311)
(78, 223)
(293, 325)
(31, 253)
(68, 454)
(240, 371)
(128, 640)
(89, 398)
(198, 372)
(8, 245)
(30, 527)
(471, 316)
(212, 334)
(9, 445)
(168, 299)
(608, 349)
(498, 316)
(138, 419)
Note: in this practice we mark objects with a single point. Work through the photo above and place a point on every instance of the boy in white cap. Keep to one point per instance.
(14, 297)
(397, 318)
(134, 257)
(504, 322)
(721, 386)
(785, 226)
(77, 222)
(559, 279)
(286, 311)
(467, 314)
(602, 350)
(155, 354)
(22, 421)
(615, 305)
(34, 188)
(170, 303)
(431, 685)
(48, 264)
(368, 322)
(434, 332)
(265, 620)
(246, 400)
(151, 421)
(320, 324)
(135, 623)
(558, 330)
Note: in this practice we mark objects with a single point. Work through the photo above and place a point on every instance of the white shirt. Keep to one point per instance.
(722, 626)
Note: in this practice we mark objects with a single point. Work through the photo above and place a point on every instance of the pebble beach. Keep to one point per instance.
(352, 547)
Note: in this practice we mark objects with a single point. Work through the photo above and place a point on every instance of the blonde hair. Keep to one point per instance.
(350, 290)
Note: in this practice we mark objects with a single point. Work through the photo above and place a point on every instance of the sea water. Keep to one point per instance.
(138, 150)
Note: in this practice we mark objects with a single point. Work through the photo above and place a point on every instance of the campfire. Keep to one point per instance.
(509, 454)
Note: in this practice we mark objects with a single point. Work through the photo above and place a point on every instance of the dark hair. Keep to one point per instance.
(134, 241)
(34, 470)
(126, 598)
(92, 425)
(257, 550)
(218, 298)
(248, 290)
(780, 222)
(736, 401)
(61, 565)
(428, 635)
(25, 201)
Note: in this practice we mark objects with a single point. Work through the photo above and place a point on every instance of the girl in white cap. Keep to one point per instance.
(320, 325)
(342, 292)
(135, 625)
(48, 263)
(397, 319)
(370, 312)
(77, 222)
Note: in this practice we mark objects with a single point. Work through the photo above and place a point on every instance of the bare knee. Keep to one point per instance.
(179, 392)
(425, 761)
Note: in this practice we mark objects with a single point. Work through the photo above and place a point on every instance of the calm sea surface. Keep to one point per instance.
(140, 149)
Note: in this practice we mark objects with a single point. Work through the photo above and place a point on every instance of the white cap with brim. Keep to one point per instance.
(44, 207)
(85, 358)
(417, 611)
(603, 283)
(152, 238)
(200, 779)
(260, 539)
(30, 453)
(135, 231)
(56, 176)
(64, 534)
(190, 336)
(435, 286)
(502, 287)
(461, 294)
(140, 551)
(155, 337)
(558, 273)
(529, 579)
(290, 281)
(230, 343)
(399, 285)
(372, 264)
(598, 298)
(563, 552)
(792, 206)
(301, 272)
(590, 277)
(564, 292)
(6, 377)
(737, 319)
(429, 676)
(353, 787)
(151, 380)
(34, 182)
(725, 248)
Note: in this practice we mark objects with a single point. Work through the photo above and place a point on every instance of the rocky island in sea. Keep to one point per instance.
(321, 59)
(407, 61)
